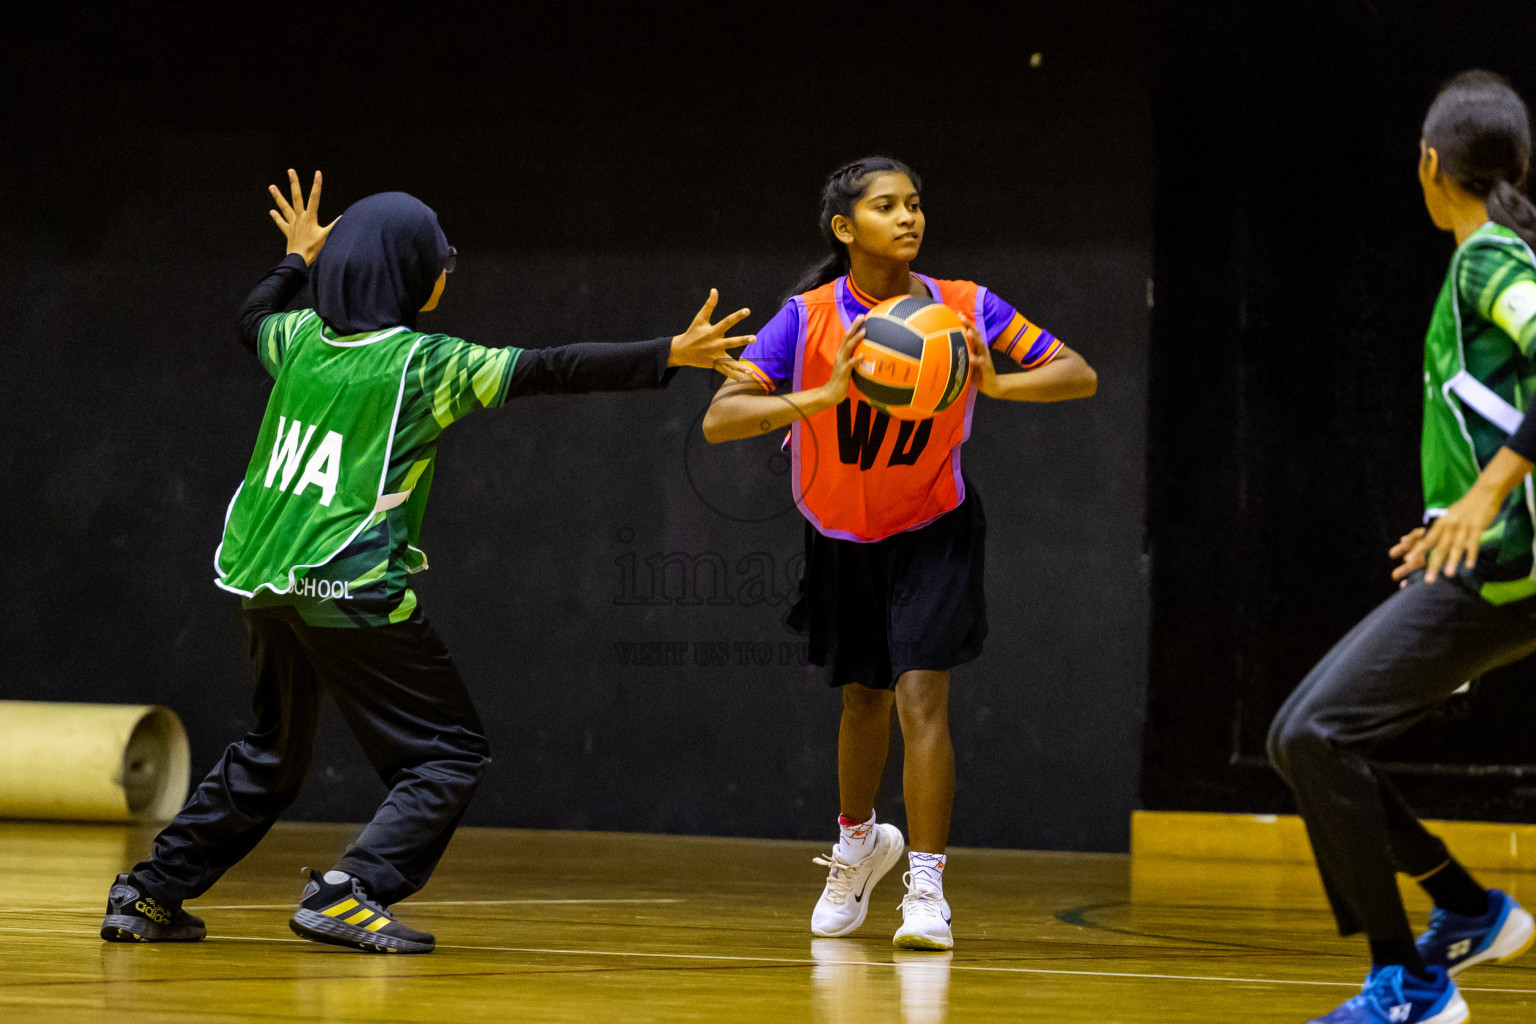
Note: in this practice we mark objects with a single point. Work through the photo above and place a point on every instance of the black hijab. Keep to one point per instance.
(379, 264)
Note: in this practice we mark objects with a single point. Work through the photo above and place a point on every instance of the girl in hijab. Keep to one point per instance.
(320, 540)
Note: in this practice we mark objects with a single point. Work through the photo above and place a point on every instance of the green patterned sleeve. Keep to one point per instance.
(458, 377)
(1498, 280)
(276, 334)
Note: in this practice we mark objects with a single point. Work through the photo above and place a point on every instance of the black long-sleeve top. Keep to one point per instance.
(565, 369)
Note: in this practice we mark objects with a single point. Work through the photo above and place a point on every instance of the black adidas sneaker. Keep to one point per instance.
(135, 916)
(343, 914)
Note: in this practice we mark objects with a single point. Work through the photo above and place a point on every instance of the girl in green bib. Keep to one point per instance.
(1408, 656)
(320, 540)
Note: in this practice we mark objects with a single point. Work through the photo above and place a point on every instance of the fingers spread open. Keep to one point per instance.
(731, 321)
(282, 204)
(706, 310)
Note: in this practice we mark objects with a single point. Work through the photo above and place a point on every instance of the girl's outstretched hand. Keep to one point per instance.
(300, 222)
(704, 344)
(983, 373)
(836, 386)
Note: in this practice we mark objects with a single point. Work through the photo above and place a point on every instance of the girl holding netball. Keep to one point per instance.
(892, 596)
(320, 541)
(1418, 647)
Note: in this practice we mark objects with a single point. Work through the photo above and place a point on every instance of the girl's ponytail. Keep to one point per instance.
(842, 192)
(832, 266)
(1509, 206)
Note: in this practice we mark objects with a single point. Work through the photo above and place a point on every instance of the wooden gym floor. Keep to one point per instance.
(550, 926)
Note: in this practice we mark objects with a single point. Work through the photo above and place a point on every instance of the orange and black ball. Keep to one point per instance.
(913, 361)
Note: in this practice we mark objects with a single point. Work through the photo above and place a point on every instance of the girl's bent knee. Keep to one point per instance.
(1293, 743)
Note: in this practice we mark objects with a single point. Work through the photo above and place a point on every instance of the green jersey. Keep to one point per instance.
(328, 518)
(1479, 379)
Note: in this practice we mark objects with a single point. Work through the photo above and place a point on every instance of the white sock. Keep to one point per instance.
(927, 870)
(334, 877)
(855, 842)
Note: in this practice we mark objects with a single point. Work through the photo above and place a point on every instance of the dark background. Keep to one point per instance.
(1167, 559)
(1296, 269)
(598, 175)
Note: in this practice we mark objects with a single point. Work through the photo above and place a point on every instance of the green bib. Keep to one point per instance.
(318, 473)
(1478, 383)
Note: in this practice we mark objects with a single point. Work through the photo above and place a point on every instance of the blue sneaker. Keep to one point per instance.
(1456, 942)
(1393, 996)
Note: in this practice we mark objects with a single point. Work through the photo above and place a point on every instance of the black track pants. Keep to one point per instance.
(1399, 664)
(402, 697)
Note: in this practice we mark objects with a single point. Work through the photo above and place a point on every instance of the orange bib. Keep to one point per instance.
(858, 474)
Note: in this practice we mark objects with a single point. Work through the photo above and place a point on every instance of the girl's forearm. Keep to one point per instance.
(591, 366)
(1502, 474)
(271, 295)
(1057, 381)
(750, 412)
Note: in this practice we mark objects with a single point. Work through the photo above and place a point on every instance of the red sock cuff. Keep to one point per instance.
(847, 822)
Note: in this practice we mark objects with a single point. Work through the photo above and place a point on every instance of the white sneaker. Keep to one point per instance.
(844, 903)
(924, 920)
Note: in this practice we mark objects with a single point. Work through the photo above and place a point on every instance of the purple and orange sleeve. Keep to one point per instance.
(771, 358)
(1029, 345)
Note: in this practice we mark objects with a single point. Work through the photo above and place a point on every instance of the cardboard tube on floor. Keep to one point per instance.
(91, 762)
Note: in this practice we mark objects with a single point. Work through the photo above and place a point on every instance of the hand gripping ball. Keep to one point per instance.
(913, 361)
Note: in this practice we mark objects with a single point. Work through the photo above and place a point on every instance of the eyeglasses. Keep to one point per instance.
(451, 260)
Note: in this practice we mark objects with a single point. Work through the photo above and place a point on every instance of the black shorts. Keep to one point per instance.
(911, 602)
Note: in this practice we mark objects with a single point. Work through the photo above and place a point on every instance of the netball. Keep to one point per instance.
(912, 362)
